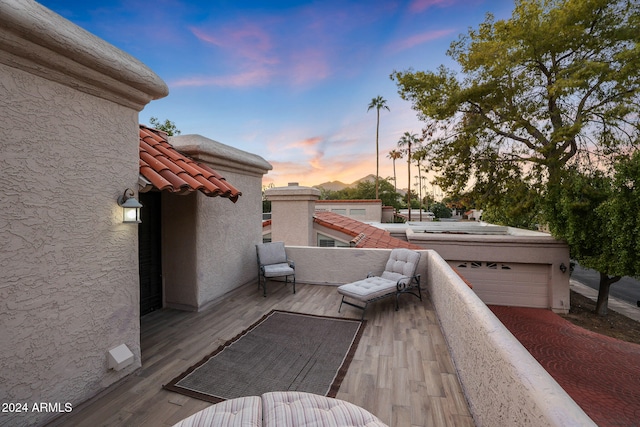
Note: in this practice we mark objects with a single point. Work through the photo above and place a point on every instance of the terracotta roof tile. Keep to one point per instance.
(365, 235)
(169, 170)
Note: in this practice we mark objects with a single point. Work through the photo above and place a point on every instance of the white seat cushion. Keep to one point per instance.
(369, 288)
(240, 412)
(275, 270)
(298, 409)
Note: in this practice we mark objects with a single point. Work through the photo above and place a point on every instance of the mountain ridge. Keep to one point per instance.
(339, 185)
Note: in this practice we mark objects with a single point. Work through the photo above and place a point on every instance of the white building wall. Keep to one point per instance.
(69, 287)
(362, 210)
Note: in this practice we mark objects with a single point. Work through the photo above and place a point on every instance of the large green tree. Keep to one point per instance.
(378, 103)
(554, 87)
(559, 78)
(598, 216)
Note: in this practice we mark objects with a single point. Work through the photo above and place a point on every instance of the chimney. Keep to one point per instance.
(292, 209)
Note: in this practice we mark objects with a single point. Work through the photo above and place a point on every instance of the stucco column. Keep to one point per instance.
(292, 210)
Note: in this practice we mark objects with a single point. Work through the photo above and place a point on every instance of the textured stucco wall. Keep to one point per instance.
(69, 286)
(179, 260)
(337, 266)
(292, 210)
(227, 235)
(68, 266)
(224, 233)
(503, 383)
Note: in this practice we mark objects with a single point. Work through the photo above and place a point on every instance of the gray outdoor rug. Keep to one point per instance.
(283, 351)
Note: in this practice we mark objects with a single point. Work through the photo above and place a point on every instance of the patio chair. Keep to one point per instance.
(273, 262)
(399, 277)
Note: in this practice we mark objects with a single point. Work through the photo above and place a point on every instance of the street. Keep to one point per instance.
(626, 289)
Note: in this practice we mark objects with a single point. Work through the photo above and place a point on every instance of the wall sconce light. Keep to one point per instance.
(130, 207)
(563, 267)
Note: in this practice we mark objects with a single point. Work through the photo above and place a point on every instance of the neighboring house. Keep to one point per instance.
(362, 210)
(505, 266)
(329, 225)
(474, 214)
(70, 281)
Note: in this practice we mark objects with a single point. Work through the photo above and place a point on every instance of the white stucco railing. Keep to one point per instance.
(503, 383)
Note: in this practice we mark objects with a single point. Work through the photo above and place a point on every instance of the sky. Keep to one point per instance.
(287, 80)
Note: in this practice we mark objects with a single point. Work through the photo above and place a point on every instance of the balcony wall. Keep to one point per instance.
(503, 383)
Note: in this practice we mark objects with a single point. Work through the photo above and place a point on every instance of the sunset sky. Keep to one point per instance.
(287, 80)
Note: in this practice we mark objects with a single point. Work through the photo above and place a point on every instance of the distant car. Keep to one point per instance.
(429, 214)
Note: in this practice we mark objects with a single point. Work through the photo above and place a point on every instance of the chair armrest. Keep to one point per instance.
(291, 264)
(408, 283)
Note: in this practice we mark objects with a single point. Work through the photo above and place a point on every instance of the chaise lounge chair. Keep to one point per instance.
(399, 277)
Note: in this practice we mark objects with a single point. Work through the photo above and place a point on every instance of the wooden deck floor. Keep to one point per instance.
(402, 371)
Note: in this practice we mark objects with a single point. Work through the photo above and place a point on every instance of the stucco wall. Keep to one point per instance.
(68, 265)
(228, 233)
(69, 287)
(224, 234)
(292, 210)
(179, 243)
(337, 266)
(362, 210)
(503, 383)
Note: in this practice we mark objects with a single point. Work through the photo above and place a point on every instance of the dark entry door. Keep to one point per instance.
(149, 253)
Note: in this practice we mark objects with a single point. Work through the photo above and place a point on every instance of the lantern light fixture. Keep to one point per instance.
(130, 207)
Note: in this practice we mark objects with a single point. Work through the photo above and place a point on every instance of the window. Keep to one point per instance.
(339, 211)
(266, 238)
(357, 212)
(330, 242)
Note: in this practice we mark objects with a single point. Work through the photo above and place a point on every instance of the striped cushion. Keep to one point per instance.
(298, 409)
(240, 412)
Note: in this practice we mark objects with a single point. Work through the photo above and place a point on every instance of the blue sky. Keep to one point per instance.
(287, 80)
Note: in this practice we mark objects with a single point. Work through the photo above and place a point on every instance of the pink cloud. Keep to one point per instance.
(250, 43)
(309, 66)
(417, 39)
(243, 79)
(418, 6)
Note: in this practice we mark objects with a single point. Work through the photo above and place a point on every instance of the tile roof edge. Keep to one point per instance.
(162, 165)
(363, 239)
(65, 53)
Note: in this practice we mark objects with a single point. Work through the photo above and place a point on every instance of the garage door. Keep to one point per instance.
(513, 284)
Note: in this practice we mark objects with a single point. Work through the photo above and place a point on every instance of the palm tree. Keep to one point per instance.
(394, 155)
(419, 155)
(378, 102)
(407, 140)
